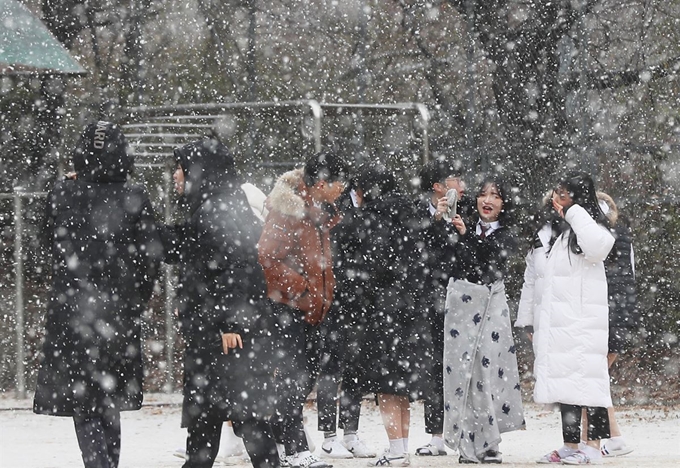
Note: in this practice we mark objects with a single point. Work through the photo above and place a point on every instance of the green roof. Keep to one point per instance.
(28, 47)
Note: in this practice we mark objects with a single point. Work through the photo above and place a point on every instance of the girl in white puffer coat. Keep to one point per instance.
(571, 321)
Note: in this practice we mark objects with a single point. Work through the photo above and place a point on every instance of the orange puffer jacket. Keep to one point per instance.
(295, 249)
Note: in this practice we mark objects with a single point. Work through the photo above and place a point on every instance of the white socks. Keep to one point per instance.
(351, 437)
(398, 446)
(438, 442)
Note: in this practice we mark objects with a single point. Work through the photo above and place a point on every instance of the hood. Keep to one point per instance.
(608, 207)
(395, 206)
(208, 167)
(101, 154)
(256, 199)
(287, 195)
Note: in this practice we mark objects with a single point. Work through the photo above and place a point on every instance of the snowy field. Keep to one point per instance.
(151, 435)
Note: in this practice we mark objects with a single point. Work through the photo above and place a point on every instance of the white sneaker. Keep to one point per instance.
(389, 459)
(332, 448)
(233, 452)
(308, 460)
(357, 448)
(233, 448)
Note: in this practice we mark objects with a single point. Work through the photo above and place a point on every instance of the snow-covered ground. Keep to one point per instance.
(150, 436)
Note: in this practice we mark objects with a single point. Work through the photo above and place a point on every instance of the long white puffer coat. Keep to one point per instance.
(572, 322)
(532, 289)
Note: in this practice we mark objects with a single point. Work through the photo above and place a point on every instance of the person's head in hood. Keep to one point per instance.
(101, 155)
(207, 166)
(608, 207)
(373, 181)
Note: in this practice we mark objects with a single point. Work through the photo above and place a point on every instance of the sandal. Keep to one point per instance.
(552, 457)
(580, 458)
(430, 450)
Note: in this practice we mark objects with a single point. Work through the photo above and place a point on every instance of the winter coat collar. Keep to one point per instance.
(545, 236)
(289, 196)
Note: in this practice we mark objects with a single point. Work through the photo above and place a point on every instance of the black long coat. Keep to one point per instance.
(388, 266)
(105, 253)
(222, 290)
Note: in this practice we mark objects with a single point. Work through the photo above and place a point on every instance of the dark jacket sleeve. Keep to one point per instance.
(439, 239)
(347, 260)
(623, 314)
(171, 237)
(235, 280)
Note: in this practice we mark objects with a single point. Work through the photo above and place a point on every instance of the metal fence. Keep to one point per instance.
(18, 197)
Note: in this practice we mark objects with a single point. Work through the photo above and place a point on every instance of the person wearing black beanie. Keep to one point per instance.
(105, 257)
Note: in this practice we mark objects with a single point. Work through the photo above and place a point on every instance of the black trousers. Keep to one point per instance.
(203, 442)
(99, 438)
(598, 423)
(349, 399)
(298, 356)
(433, 393)
(343, 338)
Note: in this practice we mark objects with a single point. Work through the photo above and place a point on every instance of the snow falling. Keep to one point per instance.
(517, 92)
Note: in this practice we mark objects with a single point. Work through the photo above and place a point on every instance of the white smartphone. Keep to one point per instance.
(452, 200)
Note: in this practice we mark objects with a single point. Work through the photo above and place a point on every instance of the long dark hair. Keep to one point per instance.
(506, 217)
(581, 188)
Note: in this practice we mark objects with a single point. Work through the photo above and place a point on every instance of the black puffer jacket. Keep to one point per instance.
(222, 290)
(105, 251)
(624, 318)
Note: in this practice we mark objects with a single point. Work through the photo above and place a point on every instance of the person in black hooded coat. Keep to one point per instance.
(228, 373)
(386, 257)
(105, 256)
